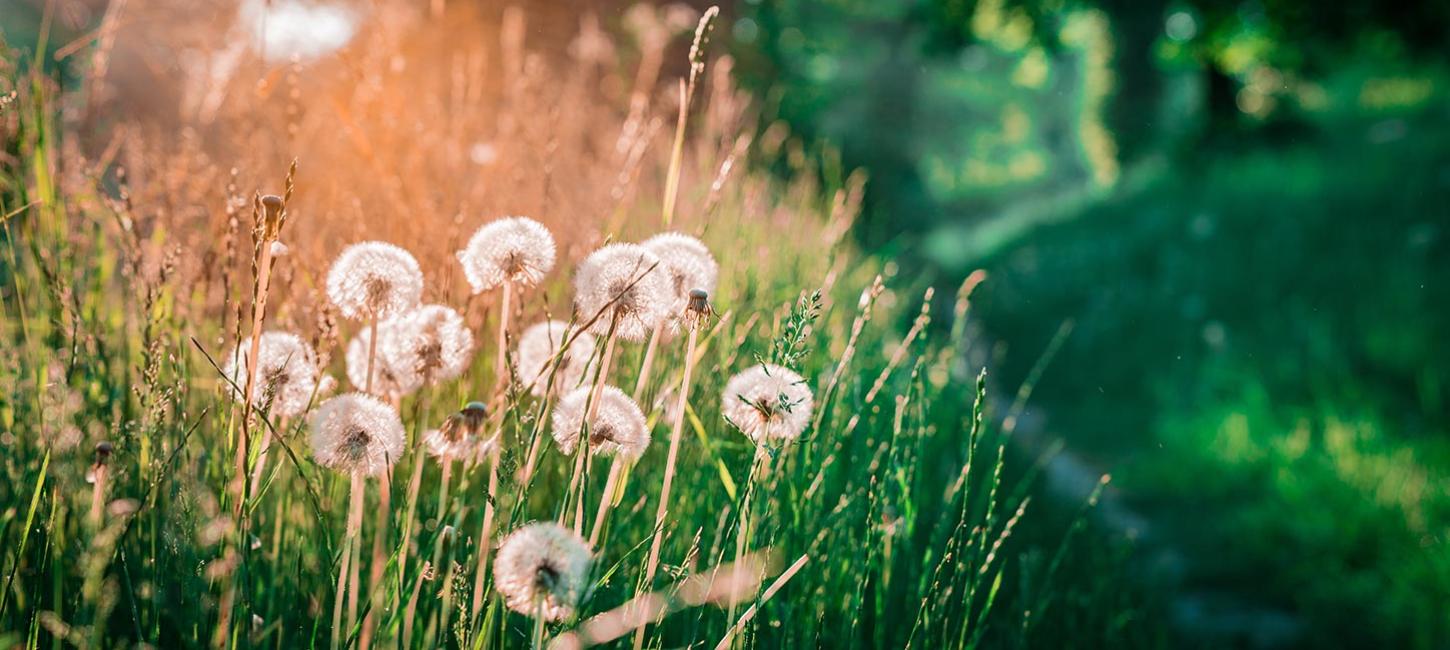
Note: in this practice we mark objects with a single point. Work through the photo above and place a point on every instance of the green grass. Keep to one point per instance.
(1259, 357)
(895, 499)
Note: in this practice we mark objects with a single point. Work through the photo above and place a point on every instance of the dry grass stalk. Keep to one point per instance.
(769, 593)
(485, 534)
(730, 583)
(677, 427)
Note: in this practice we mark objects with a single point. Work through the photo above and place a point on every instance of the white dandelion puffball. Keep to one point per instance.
(428, 344)
(768, 403)
(514, 249)
(286, 377)
(624, 284)
(687, 263)
(542, 568)
(386, 380)
(618, 427)
(536, 351)
(374, 280)
(461, 435)
(357, 434)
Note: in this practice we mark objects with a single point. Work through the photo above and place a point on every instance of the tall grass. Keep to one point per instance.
(129, 270)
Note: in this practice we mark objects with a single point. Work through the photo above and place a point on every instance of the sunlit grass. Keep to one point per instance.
(131, 266)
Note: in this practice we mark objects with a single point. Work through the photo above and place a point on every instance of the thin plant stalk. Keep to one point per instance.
(443, 481)
(261, 464)
(770, 592)
(606, 500)
(372, 352)
(379, 563)
(485, 535)
(244, 446)
(676, 430)
(648, 362)
(259, 314)
(345, 570)
(500, 366)
(446, 610)
(743, 533)
(414, 485)
(677, 152)
(443, 533)
(538, 638)
(98, 493)
(581, 450)
(410, 613)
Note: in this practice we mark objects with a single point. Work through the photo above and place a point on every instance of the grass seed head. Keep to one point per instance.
(618, 427)
(357, 434)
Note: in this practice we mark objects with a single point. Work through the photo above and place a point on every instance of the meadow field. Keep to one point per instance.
(271, 374)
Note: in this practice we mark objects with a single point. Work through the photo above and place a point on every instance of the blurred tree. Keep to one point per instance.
(946, 131)
(964, 109)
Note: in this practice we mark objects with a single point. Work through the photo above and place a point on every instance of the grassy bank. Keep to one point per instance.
(135, 242)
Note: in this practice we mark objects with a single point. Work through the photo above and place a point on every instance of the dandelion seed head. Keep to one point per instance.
(514, 249)
(287, 374)
(461, 436)
(374, 280)
(688, 265)
(618, 427)
(626, 282)
(542, 566)
(768, 403)
(428, 344)
(356, 434)
(536, 351)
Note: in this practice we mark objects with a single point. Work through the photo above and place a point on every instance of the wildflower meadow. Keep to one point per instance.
(488, 329)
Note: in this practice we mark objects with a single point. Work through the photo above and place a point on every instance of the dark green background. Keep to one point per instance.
(1242, 210)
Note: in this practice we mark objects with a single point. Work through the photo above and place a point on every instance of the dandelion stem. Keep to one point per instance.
(485, 535)
(344, 571)
(649, 356)
(538, 639)
(379, 563)
(581, 449)
(606, 500)
(372, 351)
(500, 366)
(676, 429)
